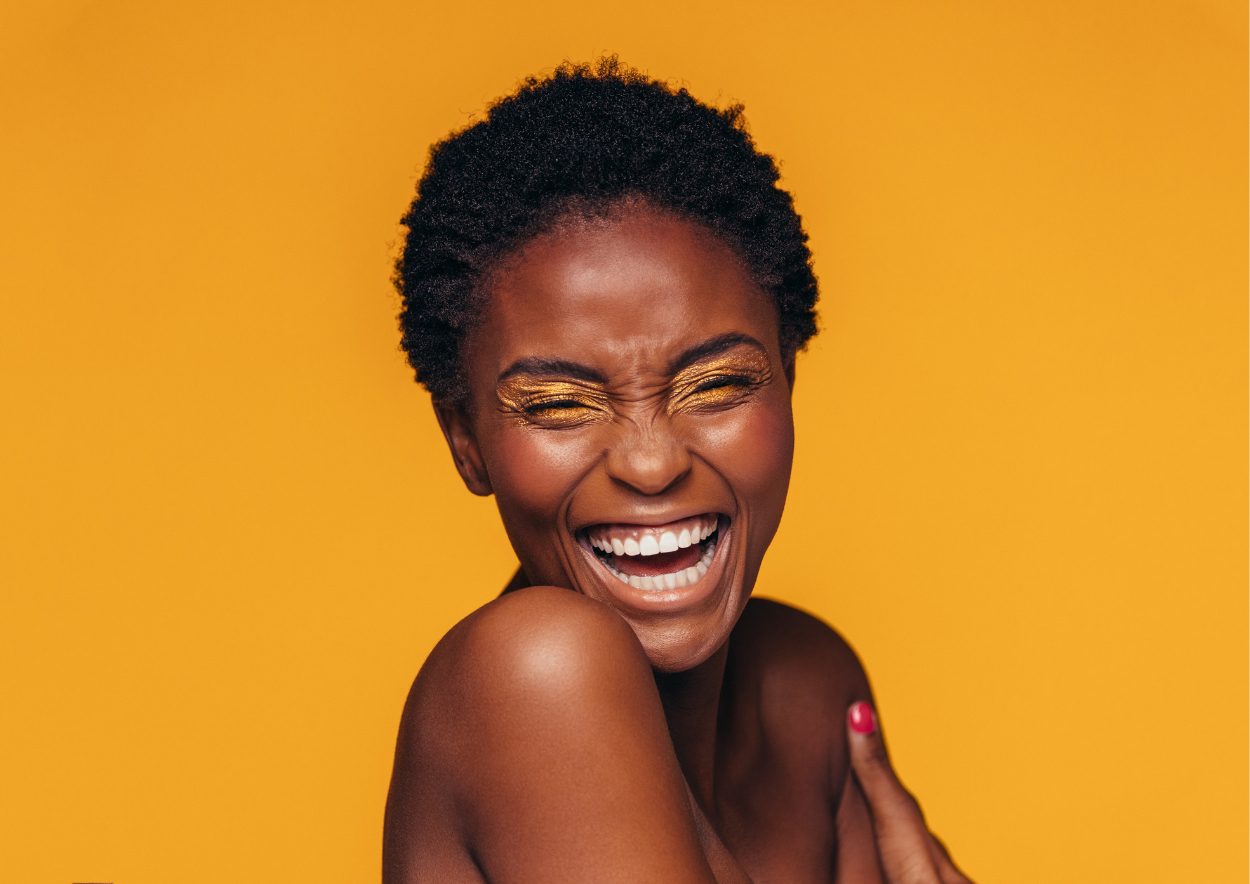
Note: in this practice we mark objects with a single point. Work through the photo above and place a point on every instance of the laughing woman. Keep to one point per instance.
(605, 290)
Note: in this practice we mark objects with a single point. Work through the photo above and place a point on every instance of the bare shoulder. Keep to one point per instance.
(798, 677)
(804, 675)
(798, 652)
(525, 639)
(525, 655)
(533, 730)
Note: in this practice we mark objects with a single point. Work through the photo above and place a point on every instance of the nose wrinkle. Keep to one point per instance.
(649, 459)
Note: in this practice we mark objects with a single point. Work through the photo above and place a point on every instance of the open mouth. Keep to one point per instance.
(655, 558)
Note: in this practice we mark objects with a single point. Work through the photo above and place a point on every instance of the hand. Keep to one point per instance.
(909, 852)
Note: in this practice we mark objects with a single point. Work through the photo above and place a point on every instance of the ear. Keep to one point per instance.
(458, 431)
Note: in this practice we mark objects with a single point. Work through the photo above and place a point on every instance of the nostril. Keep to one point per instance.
(649, 464)
(650, 488)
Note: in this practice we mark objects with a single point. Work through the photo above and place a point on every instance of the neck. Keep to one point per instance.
(691, 701)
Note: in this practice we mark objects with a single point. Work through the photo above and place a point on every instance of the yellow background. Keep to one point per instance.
(231, 534)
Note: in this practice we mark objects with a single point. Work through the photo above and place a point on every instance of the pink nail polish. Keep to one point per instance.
(861, 718)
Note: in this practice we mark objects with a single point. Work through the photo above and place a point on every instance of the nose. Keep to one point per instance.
(649, 459)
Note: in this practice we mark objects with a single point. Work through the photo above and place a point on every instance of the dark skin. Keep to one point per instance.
(626, 381)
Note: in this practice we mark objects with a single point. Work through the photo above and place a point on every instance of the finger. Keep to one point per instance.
(890, 803)
(946, 866)
(903, 842)
(951, 875)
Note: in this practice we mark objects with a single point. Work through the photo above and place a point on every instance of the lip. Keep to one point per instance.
(665, 601)
(657, 520)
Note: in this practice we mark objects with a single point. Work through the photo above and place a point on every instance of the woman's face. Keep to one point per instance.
(630, 411)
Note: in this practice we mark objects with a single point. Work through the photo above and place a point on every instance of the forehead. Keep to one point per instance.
(623, 294)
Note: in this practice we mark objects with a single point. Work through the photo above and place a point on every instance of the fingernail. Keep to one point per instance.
(861, 718)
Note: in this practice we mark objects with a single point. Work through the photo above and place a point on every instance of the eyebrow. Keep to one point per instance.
(548, 365)
(540, 365)
(713, 347)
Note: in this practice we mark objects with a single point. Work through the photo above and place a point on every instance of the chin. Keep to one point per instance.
(672, 654)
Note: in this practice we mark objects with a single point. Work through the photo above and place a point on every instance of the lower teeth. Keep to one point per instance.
(675, 580)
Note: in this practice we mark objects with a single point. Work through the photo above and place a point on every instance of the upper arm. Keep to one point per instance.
(812, 668)
(545, 728)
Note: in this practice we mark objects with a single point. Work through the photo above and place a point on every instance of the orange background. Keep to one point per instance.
(231, 534)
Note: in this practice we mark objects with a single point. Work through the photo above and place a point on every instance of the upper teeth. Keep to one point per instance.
(646, 541)
(675, 580)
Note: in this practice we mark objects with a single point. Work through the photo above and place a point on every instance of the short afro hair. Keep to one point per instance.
(579, 142)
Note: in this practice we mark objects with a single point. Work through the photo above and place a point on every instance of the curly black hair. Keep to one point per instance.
(579, 142)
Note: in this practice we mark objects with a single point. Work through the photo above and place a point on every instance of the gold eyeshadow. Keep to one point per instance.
(551, 403)
(712, 383)
(719, 381)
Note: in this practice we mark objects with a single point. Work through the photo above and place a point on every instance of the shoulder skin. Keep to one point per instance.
(805, 676)
(535, 737)
(797, 661)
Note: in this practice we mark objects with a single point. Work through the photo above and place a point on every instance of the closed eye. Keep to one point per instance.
(719, 381)
(559, 412)
(554, 405)
(713, 392)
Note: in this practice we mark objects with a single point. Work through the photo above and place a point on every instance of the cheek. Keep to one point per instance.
(532, 472)
(753, 448)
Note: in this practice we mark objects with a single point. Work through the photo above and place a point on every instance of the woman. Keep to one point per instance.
(605, 290)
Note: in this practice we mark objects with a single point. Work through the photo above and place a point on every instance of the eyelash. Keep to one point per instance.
(554, 405)
(720, 381)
